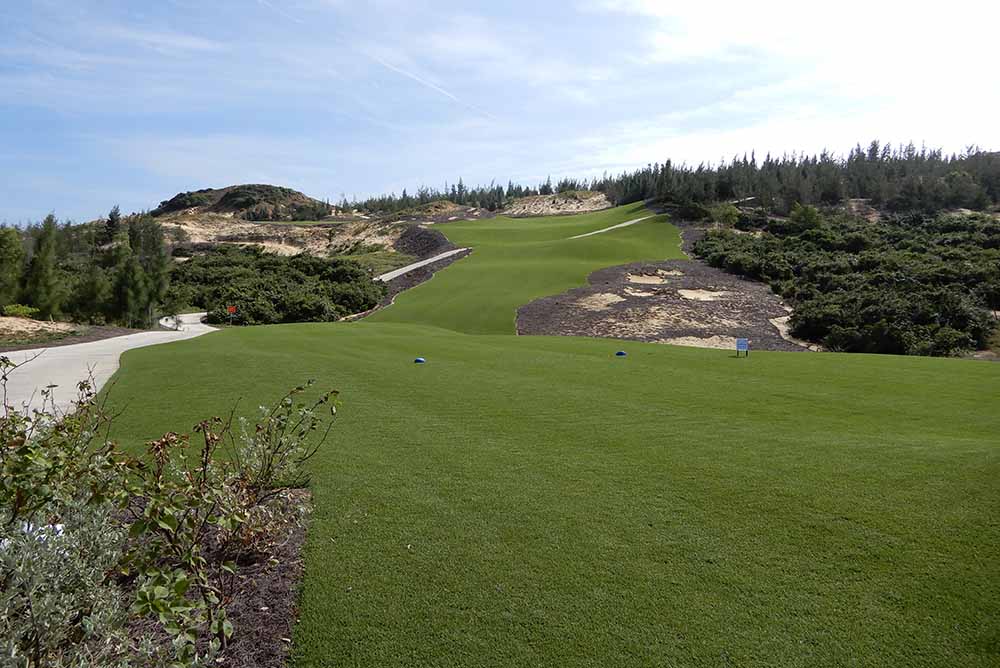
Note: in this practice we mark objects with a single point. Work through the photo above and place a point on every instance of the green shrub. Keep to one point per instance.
(267, 288)
(19, 311)
(84, 527)
(912, 284)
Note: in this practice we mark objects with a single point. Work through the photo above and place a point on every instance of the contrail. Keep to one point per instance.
(288, 16)
(432, 86)
(389, 66)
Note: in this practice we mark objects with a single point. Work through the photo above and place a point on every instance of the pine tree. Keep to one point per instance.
(90, 299)
(157, 271)
(113, 225)
(42, 289)
(11, 264)
(130, 294)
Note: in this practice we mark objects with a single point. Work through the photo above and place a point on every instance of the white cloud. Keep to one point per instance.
(852, 71)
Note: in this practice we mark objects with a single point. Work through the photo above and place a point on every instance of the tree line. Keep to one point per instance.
(901, 178)
(492, 197)
(897, 179)
(114, 271)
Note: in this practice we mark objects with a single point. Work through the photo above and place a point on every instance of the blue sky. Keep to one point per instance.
(105, 101)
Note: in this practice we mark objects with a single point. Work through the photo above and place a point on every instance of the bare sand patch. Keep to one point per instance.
(716, 342)
(599, 301)
(547, 205)
(703, 295)
(10, 326)
(632, 292)
(286, 239)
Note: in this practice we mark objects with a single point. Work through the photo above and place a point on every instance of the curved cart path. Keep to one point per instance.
(614, 227)
(65, 366)
(396, 273)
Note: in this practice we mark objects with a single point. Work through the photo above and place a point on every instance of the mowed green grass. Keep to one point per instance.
(537, 501)
(517, 260)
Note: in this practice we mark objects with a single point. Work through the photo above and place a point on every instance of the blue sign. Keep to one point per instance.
(743, 345)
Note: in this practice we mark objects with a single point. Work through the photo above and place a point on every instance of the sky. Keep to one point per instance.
(128, 102)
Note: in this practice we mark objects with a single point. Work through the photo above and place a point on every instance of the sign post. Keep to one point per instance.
(231, 310)
(743, 346)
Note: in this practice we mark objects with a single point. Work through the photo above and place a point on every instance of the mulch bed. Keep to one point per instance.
(92, 333)
(265, 610)
(422, 242)
(656, 313)
(264, 605)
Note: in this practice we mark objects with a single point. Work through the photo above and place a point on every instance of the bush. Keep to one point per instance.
(84, 528)
(911, 284)
(19, 311)
(267, 288)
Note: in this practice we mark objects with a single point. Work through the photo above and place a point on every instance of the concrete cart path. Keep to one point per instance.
(65, 366)
(396, 273)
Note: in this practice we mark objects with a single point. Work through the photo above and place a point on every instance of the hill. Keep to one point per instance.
(248, 202)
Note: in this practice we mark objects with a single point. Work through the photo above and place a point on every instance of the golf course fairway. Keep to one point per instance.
(537, 501)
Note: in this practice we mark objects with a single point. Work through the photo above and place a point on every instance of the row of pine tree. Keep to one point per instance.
(901, 178)
(114, 271)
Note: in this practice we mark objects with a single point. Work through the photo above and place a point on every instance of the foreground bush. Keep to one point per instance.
(111, 560)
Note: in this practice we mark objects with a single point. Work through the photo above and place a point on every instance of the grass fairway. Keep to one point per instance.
(516, 260)
(535, 501)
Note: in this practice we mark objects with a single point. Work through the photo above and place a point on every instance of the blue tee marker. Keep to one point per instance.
(419, 360)
(621, 353)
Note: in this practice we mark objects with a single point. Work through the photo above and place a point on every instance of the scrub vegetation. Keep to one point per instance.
(914, 284)
(265, 288)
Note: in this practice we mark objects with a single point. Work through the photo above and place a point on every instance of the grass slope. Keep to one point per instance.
(538, 501)
(516, 260)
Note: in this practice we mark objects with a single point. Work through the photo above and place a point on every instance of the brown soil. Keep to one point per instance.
(682, 302)
(263, 604)
(265, 609)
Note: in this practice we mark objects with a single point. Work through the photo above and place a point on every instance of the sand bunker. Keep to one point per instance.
(703, 295)
(659, 278)
(632, 292)
(646, 279)
(599, 301)
(717, 342)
